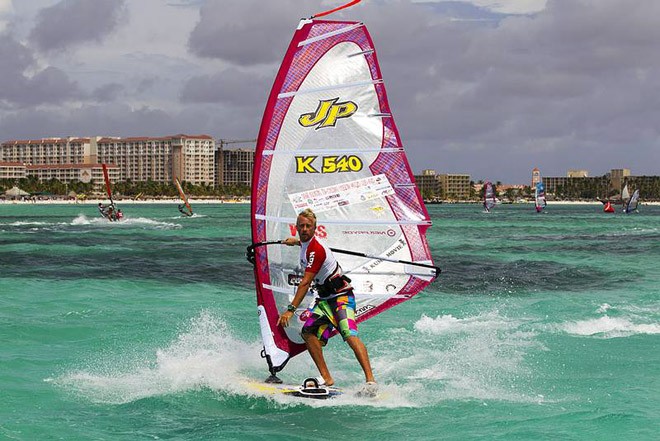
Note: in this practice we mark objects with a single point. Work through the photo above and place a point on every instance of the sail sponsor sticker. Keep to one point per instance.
(327, 113)
(340, 195)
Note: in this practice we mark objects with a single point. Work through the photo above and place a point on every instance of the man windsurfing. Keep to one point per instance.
(335, 306)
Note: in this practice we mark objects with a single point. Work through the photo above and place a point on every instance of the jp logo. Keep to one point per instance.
(327, 113)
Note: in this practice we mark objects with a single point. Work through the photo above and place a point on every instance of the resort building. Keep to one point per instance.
(576, 173)
(536, 177)
(456, 186)
(448, 185)
(74, 172)
(12, 170)
(189, 157)
(618, 176)
(47, 151)
(429, 184)
(234, 166)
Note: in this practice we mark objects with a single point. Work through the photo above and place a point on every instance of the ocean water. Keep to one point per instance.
(541, 327)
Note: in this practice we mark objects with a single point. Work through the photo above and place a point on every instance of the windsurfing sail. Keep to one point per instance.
(328, 142)
(632, 203)
(625, 196)
(608, 208)
(109, 211)
(188, 211)
(539, 197)
(106, 178)
(489, 196)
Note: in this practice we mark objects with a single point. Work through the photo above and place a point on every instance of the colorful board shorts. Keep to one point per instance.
(328, 315)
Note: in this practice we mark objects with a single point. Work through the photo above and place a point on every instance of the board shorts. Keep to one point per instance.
(335, 313)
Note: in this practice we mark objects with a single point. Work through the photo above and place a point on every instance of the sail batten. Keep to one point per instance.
(332, 151)
(292, 221)
(330, 88)
(328, 142)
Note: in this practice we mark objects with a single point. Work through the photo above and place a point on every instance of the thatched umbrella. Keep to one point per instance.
(16, 192)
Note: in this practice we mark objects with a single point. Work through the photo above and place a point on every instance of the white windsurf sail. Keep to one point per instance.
(625, 195)
(539, 197)
(328, 142)
(489, 196)
(632, 203)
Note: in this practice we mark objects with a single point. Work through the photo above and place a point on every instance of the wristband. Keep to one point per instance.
(291, 308)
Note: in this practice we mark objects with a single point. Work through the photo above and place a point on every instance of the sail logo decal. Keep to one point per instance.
(320, 232)
(327, 113)
(328, 164)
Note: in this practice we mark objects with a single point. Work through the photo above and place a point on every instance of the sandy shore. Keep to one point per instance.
(243, 201)
(127, 201)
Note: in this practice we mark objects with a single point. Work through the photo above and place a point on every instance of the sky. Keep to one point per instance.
(492, 88)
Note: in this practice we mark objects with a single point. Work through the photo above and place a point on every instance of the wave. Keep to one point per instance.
(206, 356)
(128, 221)
(609, 327)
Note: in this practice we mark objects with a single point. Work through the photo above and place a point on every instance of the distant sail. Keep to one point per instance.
(109, 211)
(184, 198)
(328, 142)
(625, 195)
(632, 203)
(489, 196)
(106, 178)
(539, 197)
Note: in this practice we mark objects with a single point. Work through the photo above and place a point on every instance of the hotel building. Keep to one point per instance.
(159, 159)
(447, 185)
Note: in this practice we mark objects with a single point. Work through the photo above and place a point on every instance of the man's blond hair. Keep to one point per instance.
(309, 214)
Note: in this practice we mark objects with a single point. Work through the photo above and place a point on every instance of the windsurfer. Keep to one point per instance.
(184, 212)
(335, 307)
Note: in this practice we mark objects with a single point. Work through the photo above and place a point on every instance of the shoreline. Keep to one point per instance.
(124, 202)
(244, 201)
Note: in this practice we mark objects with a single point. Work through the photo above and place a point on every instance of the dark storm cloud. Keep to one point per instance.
(575, 85)
(247, 32)
(232, 86)
(49, 85)
(108, 92)
(577, 80)
(74, 22)
(113, 119)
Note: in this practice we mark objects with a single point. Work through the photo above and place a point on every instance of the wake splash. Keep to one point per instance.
(616, 322)
(205, 355)
(482, 357)
(127, 222)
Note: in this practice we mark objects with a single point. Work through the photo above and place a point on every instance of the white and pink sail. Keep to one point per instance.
(328, 142)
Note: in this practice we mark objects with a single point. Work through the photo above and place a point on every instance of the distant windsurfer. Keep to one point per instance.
(106, 211)
(184, 211)
(335, 306)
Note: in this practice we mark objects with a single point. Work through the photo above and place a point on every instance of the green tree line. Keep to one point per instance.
(127, 188)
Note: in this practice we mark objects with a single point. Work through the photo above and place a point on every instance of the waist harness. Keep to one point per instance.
(334, 284)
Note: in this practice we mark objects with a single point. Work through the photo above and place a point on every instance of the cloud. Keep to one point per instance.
(231, 86)
(477, 87)
(6, 9)
(75, 22)
(18, 88)
(247, 32)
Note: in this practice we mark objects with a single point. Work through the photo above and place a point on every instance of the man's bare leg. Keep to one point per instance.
(362, 356)
(316, 351)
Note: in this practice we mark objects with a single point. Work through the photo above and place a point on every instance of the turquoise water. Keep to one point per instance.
(541, 327)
